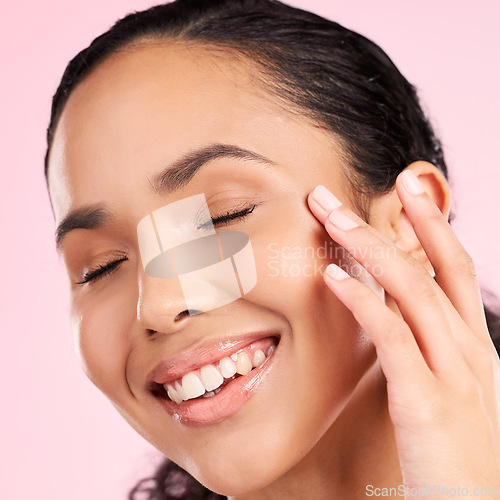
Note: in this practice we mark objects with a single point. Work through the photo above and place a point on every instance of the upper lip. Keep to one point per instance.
(204, 353)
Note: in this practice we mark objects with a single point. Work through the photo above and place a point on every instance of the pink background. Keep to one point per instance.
(59, 437)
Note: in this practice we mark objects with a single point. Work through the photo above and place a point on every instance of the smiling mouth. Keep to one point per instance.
(210, 379)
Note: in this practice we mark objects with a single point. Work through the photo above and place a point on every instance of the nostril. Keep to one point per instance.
(186, 313)
(181, 316)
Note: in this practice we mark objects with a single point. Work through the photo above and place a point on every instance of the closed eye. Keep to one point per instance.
(92, 275)
(102, 270)
(227, 218)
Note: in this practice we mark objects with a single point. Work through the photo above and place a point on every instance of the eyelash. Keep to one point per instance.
(228, 217)
(103, 270)
(100, 271)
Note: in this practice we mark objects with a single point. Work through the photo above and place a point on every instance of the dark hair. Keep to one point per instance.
(171, 482)
(341, 80)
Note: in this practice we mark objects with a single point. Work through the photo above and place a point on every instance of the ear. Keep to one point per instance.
(388, 216)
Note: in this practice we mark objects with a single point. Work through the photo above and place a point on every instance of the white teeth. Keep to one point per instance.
(258, 358)
(210, 380)
(211, 377)
(243, 363)
(227, 367)
(173, 394)
(180, 391)
(192, 386)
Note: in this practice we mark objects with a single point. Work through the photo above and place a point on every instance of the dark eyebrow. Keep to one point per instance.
(86, 217)
(170, 179)
(179, 174)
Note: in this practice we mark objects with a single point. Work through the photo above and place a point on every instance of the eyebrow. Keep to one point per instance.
(86, 217)
(184, 169)
(172, 178)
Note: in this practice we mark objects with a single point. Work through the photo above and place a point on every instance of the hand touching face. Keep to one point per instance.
(441, 367)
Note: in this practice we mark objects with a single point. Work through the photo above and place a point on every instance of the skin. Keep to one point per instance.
(325, 418)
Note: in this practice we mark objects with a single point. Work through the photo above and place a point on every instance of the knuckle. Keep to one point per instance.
(417, 274)
(395, 333)
(419, 281)
(424, 287)
(463, 263)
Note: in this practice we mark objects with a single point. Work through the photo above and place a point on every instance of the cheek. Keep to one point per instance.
(327, 342)
(102, 327)
(291, 257)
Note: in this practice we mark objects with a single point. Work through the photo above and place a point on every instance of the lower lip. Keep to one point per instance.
(208, 411)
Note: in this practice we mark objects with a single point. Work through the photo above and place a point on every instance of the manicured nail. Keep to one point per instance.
(336, 272)
(341, 220)
(411, 182)
(325, 198)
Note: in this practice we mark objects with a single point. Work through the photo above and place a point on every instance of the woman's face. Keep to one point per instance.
(138, 113)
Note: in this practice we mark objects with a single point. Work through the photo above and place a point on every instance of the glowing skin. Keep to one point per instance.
(133, 116)
(316, 408)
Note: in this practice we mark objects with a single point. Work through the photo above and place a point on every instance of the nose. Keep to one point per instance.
(161, 306)
(164, 303)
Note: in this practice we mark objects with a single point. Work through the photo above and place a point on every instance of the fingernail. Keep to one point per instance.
(341, 220)
(411, 182)
(325, 198)
(336, 272)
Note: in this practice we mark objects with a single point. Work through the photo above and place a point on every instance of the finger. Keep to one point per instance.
(417, 295)
(397, 350)
(454, 268)
(322, 210)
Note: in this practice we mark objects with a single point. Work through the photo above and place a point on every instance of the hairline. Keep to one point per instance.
(359, 198)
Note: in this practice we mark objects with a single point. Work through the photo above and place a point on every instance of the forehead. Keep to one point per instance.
(147, 105)
(164, 94)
